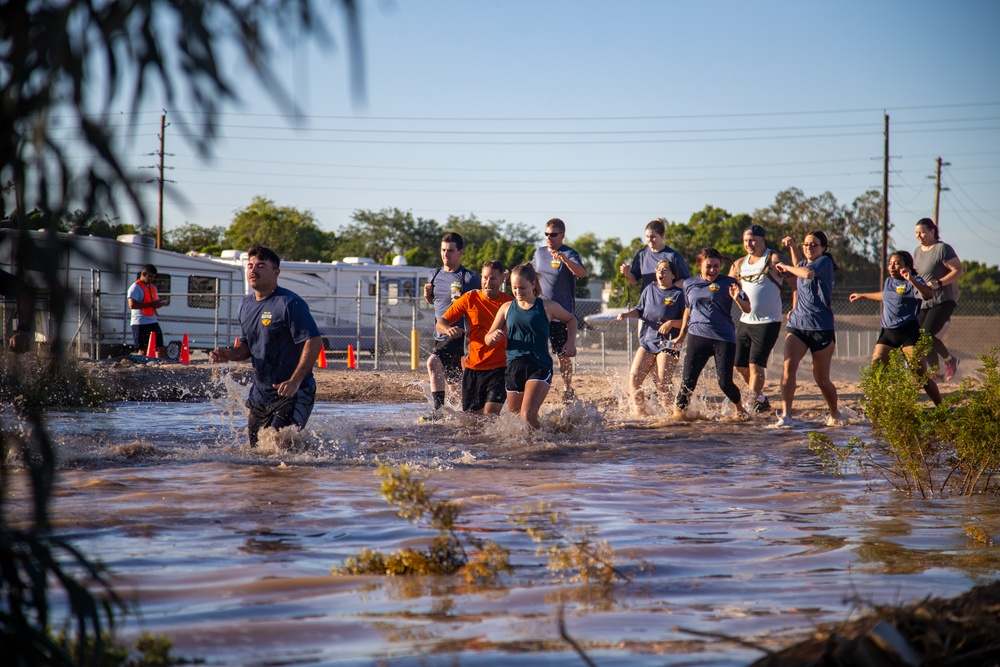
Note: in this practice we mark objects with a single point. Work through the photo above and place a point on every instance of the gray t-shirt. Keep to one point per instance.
(930, 265)
(558, 282)
(448, 286)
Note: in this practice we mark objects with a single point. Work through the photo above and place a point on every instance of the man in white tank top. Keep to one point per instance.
(758, 330)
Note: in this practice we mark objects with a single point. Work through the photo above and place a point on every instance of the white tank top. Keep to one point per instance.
(763, 293)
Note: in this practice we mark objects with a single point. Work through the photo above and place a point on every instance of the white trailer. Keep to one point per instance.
(343, 297)
(200, 296)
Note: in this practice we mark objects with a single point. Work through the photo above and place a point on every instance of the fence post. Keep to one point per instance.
(357, 340)
(378, 314)
(604, 355)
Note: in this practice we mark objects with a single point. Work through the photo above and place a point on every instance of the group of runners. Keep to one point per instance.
(510, 335)
(508, 359)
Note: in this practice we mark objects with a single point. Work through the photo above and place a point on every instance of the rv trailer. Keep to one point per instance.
(201, 297)
(343, 297)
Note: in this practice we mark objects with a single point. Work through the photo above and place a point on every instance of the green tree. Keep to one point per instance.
(864, 225)
(979, 280)
(291, 233)
(598, 254)
(390, 232)
(191, 237)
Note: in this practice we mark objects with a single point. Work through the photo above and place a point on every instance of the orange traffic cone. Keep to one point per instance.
(151, 348)
(322, 358)
(185, 351)
(351, 361)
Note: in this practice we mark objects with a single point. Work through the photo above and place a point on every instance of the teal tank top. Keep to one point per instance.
(528, 334)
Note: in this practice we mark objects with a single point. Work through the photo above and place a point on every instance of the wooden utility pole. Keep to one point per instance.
(937, 190)
(885, 206)
(159, 221)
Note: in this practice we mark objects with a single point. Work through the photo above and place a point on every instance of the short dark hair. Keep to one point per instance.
(494, 264)
(149, 268)
(556, 224)
(657, 226)
(454, 237)
(264, 253)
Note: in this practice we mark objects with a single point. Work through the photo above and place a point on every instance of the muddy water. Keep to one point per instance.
(228, 551)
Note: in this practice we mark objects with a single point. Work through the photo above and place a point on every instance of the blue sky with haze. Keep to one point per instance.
(609, 114)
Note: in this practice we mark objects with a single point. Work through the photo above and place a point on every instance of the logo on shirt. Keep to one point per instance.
(900, 289)
(669, 301)
(714, 287)
(265, 318)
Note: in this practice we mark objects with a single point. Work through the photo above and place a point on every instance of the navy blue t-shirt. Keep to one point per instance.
(448, 286)
(812, 305)
(276, 330)
(711, 308)
(900, 302)
(645, 261)
(656, 306)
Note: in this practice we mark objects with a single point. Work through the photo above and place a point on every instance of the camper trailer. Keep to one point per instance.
(201, 296)
(343, 298)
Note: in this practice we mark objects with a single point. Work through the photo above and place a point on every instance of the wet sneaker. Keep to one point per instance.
(833, 422)
(569, 395)
(784, 421)
(432, 416)
(950, 368)
(762, 407)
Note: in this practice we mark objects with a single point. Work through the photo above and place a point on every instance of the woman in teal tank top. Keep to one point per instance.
(525, 323)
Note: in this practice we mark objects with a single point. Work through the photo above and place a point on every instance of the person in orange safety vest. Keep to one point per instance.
(144, 301)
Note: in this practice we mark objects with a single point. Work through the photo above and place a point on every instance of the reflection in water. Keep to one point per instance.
(228, 550)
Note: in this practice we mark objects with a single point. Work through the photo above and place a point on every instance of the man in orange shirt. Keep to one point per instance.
(483, 389)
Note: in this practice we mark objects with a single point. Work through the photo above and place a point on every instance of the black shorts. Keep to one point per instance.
(933, 319)
(814, 340)
(482, 387)
(522, 369)
(450, 352)
(754, 343)
(904, 336)
(292, 410)
(140, 336)
(558, 335)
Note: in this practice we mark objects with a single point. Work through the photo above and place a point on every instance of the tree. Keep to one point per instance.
(291, 233)
(59, 149)
(390, 232)
(195, 238)
(864, 225)
(979, 280)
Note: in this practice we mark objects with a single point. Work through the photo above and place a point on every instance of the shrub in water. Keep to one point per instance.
(953, 449)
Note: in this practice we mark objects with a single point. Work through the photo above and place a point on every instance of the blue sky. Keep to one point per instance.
(609, 114)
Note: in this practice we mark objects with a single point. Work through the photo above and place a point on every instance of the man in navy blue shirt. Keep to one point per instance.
(282, 341)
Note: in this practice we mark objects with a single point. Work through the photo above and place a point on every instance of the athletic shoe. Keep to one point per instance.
(950, 368)
(569, 395)
(784, 421)
(833, 422)
(762, 407)
(432, 416)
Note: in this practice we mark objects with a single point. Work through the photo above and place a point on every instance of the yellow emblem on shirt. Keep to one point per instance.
(714, 287)
(265, 318)
(900, 289)
(669, 301)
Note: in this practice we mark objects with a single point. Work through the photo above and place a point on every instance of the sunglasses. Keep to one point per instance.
(553, 234)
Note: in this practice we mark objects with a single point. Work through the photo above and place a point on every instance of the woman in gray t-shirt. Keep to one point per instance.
(939, 266)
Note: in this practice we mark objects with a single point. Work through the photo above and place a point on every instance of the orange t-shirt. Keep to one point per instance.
(480, 313)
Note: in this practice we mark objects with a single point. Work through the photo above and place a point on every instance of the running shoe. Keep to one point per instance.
(784, 421)
(950, 368)
(833, 422)
(569, 395)
(762, 407)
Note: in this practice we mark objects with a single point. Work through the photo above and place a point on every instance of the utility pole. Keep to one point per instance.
(938, 189)
(161, 180)
(885, 205)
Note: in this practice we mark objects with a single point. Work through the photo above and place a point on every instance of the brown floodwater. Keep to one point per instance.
(725, 529)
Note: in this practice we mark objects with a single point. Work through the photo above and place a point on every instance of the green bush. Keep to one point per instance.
(952, 449)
